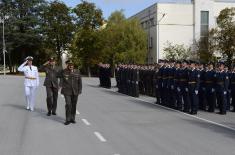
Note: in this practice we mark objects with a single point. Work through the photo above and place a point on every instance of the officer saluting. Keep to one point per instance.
(31, 81)
(51, 84)
(71, 83)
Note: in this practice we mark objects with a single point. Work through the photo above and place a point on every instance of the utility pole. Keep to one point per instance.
(3, 43)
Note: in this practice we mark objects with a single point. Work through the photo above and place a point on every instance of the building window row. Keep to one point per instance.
(148, 23)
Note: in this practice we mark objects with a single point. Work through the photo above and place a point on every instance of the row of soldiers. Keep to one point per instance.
(105, 73)
(186, 85)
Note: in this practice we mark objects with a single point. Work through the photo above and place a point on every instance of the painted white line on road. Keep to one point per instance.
(86, 122)
(100, 137)
(77, 112)
(193, 116)
(116, 154)
(202, 119)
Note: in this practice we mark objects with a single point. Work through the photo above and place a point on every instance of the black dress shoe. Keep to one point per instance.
(53, 113)
(67, 123)
(73, 121)
(222, 113)
(193, 113)
(49, 114)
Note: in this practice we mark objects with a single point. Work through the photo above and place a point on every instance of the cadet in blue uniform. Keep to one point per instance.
(160, 82)
(228, 88)
(221, 88)
(178, 91)
(171, 88)
(202, 88)
(193, 86)
(232, 87)
(184, 86)
(210, 87)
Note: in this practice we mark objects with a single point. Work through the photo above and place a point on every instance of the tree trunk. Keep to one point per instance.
(89, 71)
(229, 61)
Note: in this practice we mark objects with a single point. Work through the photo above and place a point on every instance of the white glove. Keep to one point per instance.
(225, 92)
(212, 90)
(178, 89)
(186, 89)
(196, 92)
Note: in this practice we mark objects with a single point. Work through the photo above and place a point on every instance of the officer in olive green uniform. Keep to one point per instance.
(71, 83)
(51, 84)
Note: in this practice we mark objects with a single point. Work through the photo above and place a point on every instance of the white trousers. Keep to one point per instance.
(30, 97)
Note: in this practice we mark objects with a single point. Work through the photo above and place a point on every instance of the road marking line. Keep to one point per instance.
(100, 137)
(116, 154)
(77, 112)
(86, 122)
(202, 119)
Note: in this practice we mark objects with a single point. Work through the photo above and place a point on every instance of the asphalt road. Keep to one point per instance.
(108, 124)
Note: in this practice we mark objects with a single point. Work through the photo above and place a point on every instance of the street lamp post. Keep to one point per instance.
(3, 43)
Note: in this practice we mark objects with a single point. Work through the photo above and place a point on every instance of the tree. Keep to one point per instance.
(206, 47)
(85, 48)
(23, 28)
(58, 28)
(124, 40)
(225, 33)
(177, 52)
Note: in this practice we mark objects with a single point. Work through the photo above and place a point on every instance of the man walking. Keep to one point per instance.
(31, 81)
(71, 83)
(51, 84)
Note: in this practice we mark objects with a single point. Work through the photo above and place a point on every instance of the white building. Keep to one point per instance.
(178, 22)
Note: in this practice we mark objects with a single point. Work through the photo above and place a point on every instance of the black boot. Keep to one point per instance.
(49, 113)
(66, 123)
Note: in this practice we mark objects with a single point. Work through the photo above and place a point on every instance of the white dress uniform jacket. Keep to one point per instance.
(31, 75)
(31, 83)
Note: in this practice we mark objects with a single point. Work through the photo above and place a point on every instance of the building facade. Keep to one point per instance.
(178, 23)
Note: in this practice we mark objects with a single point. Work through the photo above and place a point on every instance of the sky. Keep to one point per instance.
(130, 7)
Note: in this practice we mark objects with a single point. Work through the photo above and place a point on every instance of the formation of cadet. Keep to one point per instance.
(127, 77)
(183, 85)
(105, 74)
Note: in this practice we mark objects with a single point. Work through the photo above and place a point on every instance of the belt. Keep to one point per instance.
(192, 82)
(183, 80)
(220, 82)
(208, 81)
(31, 78)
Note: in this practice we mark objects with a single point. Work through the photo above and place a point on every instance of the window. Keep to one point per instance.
(204, 23)
(204, 30)
(151, 42)
(152, 22)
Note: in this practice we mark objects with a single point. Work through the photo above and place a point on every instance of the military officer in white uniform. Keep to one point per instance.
(31, 81)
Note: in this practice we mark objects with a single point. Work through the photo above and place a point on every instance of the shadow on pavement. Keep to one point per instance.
(214, 128)
(40, 112)
(93, 86)
(113, 93)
